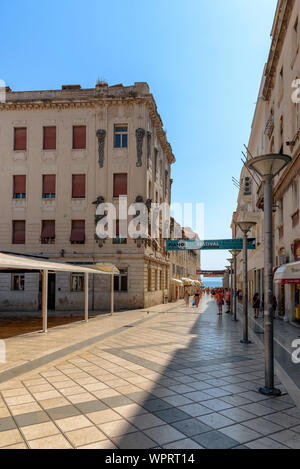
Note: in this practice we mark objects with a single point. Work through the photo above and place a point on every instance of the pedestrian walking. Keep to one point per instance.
(187, 298)
(256, 304)
(228, 301)
(197, 298)
(220, 302)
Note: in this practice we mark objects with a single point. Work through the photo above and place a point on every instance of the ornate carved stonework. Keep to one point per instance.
(140, 134)
(101, 144)
(148, 149)
(166, 181)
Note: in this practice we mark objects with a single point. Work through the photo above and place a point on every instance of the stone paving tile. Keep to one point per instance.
(282, 419)
(164, 434)
(40, 430)
(85, 436)
(133, 441)
(116, 401)
(288, 438)
(195, 410)
(265, 443)
(263, 426)
(145, 421)
(215, 440)
(10, 437)
(50, 442)
(73, 423)
(183, 444)
(216, 405)
(240, 433)
(31, 418)
(216, 421)
(117, 428)
(191, 427)
(63, 412)
(172, 415)
(7, 423)
(91, 406)
(237, 414)
(103, 416)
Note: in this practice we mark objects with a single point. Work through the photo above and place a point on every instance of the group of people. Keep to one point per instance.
(222, 296)
(258, 304)
(196, 298)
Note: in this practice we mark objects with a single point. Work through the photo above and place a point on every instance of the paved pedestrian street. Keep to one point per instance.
(173, 379)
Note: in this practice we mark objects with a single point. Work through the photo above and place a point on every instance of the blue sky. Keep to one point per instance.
(203, 60)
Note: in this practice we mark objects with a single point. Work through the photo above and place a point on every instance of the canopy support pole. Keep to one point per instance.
(112, 295)
(86, 297)
(45, 299)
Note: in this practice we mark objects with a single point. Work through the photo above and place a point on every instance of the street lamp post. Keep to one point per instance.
(268, 166)
(245, 227)
(231, 283)
(234, 299)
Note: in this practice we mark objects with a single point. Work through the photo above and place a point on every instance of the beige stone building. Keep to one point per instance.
(183, 267)
(62, 153)
(276, 129)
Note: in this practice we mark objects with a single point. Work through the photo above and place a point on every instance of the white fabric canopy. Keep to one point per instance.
(179, 282)
(9, 261)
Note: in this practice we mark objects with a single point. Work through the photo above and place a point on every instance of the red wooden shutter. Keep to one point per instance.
(19, 184)
(48, 229)
(79, 137)
(20, 138)
(49, 138)
(49, 183)
(78, 231)
(78, 186)
(18, 232)
(120, 184)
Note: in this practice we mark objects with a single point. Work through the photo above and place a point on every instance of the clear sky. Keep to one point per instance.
(203, 60)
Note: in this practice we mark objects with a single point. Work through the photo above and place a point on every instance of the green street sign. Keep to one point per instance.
(219, 244)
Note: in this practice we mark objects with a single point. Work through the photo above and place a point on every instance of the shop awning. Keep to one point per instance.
(178, 282)
(288, 274)
(11, 262)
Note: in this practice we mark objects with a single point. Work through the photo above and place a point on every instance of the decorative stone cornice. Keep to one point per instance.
(283, 14)
(94, 103)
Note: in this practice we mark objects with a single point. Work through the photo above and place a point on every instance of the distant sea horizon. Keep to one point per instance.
(212, 282)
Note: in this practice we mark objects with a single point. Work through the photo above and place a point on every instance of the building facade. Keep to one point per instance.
(276, 129)
(62, 153)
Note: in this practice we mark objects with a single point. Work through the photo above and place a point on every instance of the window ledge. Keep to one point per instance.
(49, 154)
(20, 155)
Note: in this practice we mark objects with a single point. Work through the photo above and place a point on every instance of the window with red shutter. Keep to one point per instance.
(20, 138)
(48, 232)
(18, 232)
(78, 232)
(120, 184)
(49, 138)
(78, 186)
(49, 183)
(19, 191)
(79, 137)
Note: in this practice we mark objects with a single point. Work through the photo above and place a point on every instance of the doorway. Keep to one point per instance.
(51, 291)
